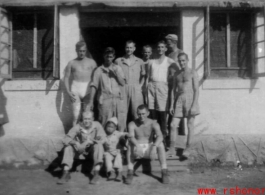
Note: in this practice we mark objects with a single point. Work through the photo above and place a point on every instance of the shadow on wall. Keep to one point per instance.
(64, 108)
(3, 114)
(196, 36)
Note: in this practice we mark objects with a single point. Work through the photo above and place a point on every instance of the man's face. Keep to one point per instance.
(81, 52)
(161, 49)
(147, 52)
(129, 48)
(142, 114)
(171, 44)
(108, 58)
(110, 128)
(183, 61)
(87, 119)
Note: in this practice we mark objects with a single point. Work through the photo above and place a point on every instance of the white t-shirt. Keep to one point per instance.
(159, 72)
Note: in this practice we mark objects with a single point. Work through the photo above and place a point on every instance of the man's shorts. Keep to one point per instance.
(183, 105)
(80, 89)
(158, 96)
(145, 152)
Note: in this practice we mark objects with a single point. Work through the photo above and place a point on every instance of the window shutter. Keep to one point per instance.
(56, 71)
(5, 44)
(207, 68)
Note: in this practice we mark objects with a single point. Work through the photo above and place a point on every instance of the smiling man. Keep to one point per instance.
(157, 85)
(80, 70)
(142, 144)
(83, 139)
(134, 73)
(184, 100)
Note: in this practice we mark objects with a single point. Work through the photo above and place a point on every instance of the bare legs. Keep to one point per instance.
(173, 133)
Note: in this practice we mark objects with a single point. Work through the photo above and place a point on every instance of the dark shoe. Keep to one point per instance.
(110, 175)
(65, 177)
(95, 179)
(165, 178)
(118, 176)
(129, 177)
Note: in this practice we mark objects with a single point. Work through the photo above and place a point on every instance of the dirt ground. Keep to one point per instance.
(41, 182)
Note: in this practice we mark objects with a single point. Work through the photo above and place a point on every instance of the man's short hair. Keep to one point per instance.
(80, 44)
(184, 54)
(86, 112)
(142, 107)
(109, 50)
(129, 42)
(162, 42)
(147, 46)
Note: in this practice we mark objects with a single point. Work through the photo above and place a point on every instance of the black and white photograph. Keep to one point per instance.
(135, 97)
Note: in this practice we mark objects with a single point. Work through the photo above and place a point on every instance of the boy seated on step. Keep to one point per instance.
(112, 155)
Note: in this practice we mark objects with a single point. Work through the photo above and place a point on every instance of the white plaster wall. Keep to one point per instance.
(69, 35)
(41, 108)
(227, 106)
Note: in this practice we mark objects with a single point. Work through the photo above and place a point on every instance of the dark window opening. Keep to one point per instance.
(230, 45)
(33, 36)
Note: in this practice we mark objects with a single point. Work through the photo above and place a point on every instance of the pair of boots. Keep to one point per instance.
(66, 177)
(165, 178)
(118, 177)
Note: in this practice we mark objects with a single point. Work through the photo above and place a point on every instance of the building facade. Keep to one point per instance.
(224, 40)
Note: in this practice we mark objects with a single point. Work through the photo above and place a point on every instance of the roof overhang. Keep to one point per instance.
(135, 3)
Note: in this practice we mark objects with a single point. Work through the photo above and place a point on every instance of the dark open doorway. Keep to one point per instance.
(112, 29)
(101, 30)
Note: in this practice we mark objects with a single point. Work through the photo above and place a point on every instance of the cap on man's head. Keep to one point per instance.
(172, 37)
(113, 120)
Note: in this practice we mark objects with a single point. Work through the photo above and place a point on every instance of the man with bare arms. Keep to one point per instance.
(80, 70)
(184, 98)
(157, 85)
(143, 145)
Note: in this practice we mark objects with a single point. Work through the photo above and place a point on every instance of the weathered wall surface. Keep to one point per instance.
(228, 106)
(39, 112)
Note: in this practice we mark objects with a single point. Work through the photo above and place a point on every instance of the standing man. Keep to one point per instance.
(158, 86)
(147, 52)
(184, 104)
(80, 70)
(172, 41)
(143, 145)
(172, 44)
(107, 82)
(134, 77)
(84, 138)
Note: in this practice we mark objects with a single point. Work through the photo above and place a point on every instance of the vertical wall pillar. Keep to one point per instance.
(69, 35)
(193, 38)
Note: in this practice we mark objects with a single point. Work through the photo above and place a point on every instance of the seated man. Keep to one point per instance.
(112, 146)
(141, 145)
(84, 138)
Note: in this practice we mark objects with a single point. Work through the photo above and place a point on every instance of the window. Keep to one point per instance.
(229, 44)
(32, 40)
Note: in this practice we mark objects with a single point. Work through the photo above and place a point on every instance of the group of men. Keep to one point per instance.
(148, 89)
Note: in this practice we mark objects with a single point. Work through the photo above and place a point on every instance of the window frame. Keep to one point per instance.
(207, 67)
(56, 71)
